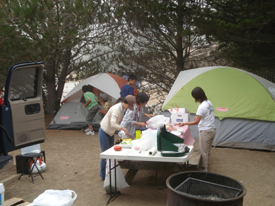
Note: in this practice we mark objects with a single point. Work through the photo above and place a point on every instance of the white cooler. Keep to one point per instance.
(2, 191)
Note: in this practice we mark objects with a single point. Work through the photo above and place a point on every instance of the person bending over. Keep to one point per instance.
(104, 102)
(110, 123)
(132, 119)
(92, 106)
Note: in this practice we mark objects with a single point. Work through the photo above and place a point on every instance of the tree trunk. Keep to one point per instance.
(49, 76)
(52, 103)
(64, 73)
(54, 95)
(179, 50)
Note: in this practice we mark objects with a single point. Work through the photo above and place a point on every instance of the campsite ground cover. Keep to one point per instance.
(73, 163)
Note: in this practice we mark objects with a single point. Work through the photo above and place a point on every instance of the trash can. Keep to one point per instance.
(204, 189)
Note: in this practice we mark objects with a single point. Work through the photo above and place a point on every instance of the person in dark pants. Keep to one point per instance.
(110, 123)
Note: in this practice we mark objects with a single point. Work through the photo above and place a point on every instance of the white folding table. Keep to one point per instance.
(129, 154)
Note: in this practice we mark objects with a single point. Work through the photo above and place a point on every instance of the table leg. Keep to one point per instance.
(130, 175)
(115, 193)
(156, 177)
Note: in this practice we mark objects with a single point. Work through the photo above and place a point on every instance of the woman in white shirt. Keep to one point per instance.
(110, 123)
(205, 119)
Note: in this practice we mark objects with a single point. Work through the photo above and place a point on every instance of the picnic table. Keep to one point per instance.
(140, 156)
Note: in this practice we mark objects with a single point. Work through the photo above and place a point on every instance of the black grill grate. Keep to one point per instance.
(204, 189)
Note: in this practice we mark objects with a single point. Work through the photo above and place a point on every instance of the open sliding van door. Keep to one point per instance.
(22, 114)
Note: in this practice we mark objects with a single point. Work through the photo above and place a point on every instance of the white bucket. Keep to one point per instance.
(2, 191)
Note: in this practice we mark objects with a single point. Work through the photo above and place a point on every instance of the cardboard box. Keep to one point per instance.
(179, 117)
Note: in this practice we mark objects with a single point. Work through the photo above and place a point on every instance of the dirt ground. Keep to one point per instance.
(72, 160)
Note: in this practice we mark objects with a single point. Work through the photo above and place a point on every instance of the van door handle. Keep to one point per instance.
(32, 109)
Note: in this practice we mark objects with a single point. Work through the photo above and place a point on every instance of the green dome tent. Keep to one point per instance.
(244, 105)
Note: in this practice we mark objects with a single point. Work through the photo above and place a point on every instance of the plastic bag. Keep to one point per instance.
(55, 198)
(148, 140)
(154, 136)
(122, 135)
(157, 121)
(40, 165)
(121, 183)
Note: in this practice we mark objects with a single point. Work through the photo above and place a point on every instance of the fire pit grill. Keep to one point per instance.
(207, 190)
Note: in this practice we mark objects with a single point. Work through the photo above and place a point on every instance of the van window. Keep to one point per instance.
(23, 84)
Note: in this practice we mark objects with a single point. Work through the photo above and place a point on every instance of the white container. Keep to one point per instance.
(2, 191)
(31, 149)
(179, 117)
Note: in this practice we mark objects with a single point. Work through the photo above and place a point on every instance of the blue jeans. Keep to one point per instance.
(106, 141)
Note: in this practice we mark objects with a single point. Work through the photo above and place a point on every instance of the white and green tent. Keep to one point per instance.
(244, 105)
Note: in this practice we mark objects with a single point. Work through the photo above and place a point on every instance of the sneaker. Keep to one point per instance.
(90, 133)
(87, 130)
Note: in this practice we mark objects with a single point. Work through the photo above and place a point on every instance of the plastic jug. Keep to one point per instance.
(2, 191)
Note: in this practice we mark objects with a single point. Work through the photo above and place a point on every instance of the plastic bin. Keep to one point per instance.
(2, 191)
(31, 149)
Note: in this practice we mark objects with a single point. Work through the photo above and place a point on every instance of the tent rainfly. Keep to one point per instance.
(244, 105)
(72, 113)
